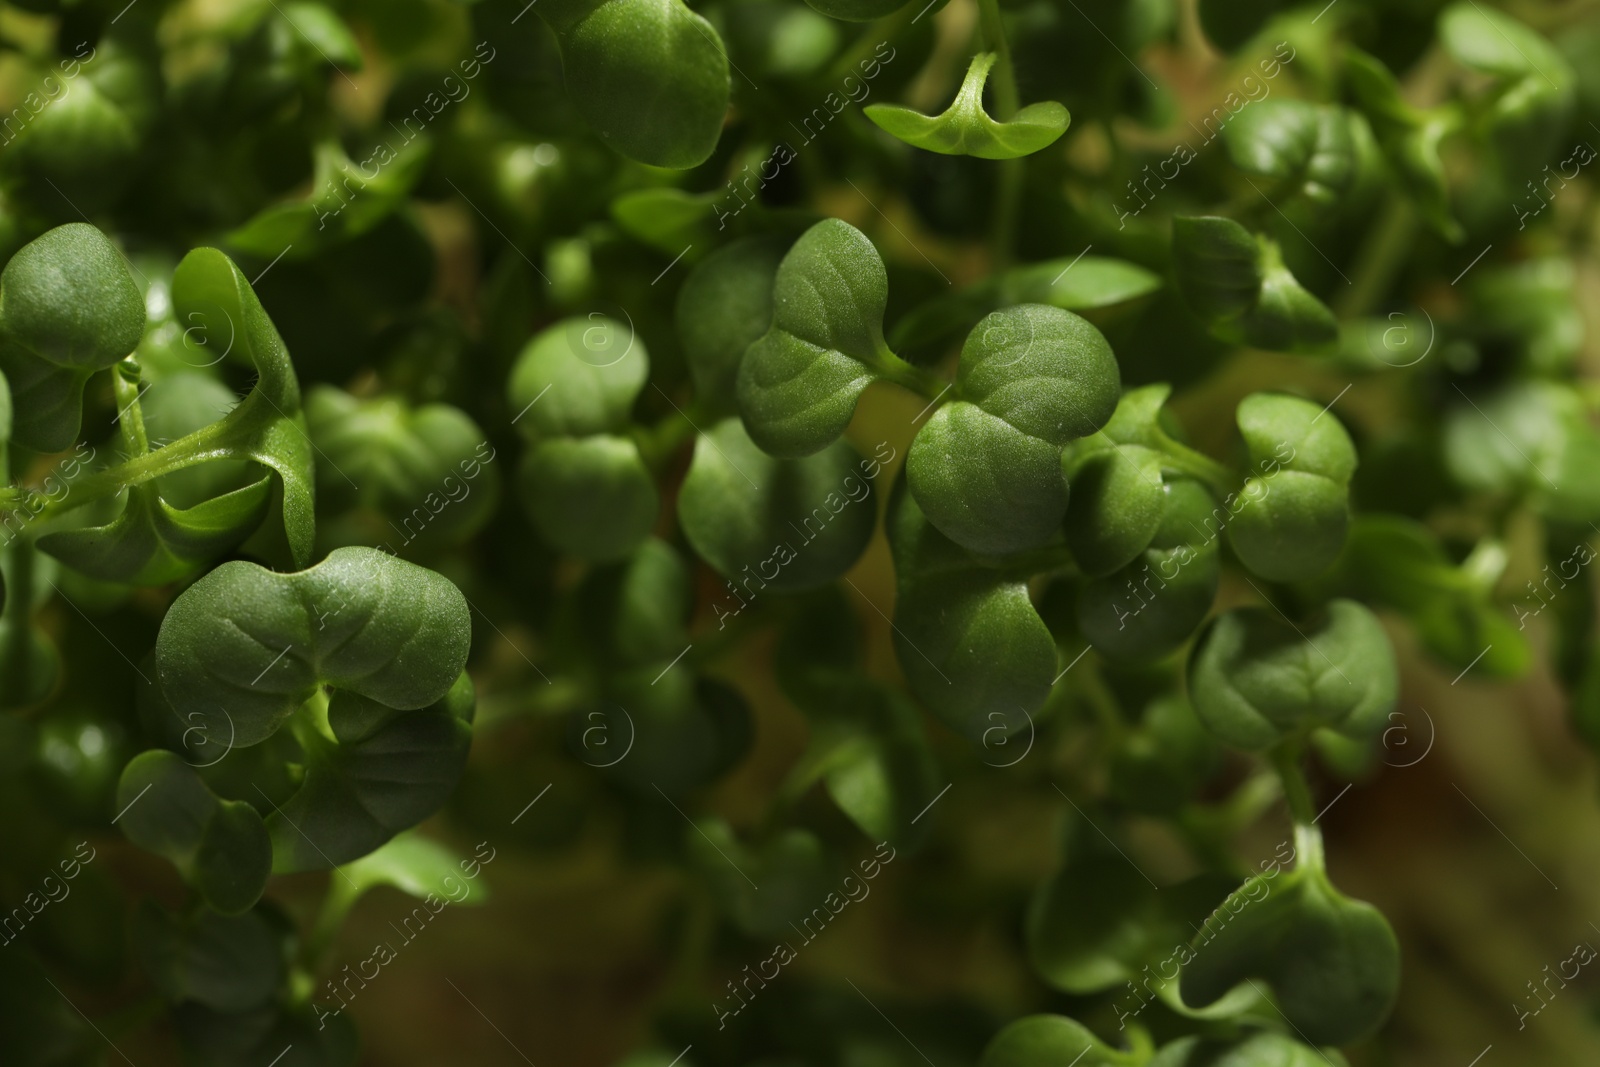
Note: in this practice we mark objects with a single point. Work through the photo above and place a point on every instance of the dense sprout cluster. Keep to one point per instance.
(412, 407)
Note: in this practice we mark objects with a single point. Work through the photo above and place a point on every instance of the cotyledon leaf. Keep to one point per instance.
(965, 129)
(250, 645)
(650, 76)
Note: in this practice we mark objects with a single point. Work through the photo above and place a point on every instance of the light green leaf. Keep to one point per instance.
(1046, 1041)
(965, 129)
(578, 377)
(799, 383)
(986, 469)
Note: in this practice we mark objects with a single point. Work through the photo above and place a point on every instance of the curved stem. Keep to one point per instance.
(892, 368)
(1307, 836)
(1198, 465)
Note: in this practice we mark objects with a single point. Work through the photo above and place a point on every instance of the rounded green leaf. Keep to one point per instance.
(790, 867)
(659, 729)
(985, 484)
(578, 377)
(1301, 435)
(791, 523)
(374, 772)
(1263, 1048)
(986, 469)
(635, 612)
(1333, 962)
(724, 307)
(590, 497)
(426, 470)
(1292, 515)
(1048, 1041)
(967, 637)
(965, 129)
(1315, 150)
(1151, 606)
(649, 76)
(67, 297)
(1255, 678)
(1118, 499)
(243, 647)
(799, 383)
(1046, 371)
(1291, 525)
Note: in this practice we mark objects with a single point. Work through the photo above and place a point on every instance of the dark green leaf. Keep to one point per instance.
(226, 962)
(1333, 962)
(220, 846)
(792, 523)
(590, 497)
(258, 644)
(381, 771)
(967, 636)
(1314, 150)
(1255, 678)
(649, 76)
(724, 307)
(1240, 288)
